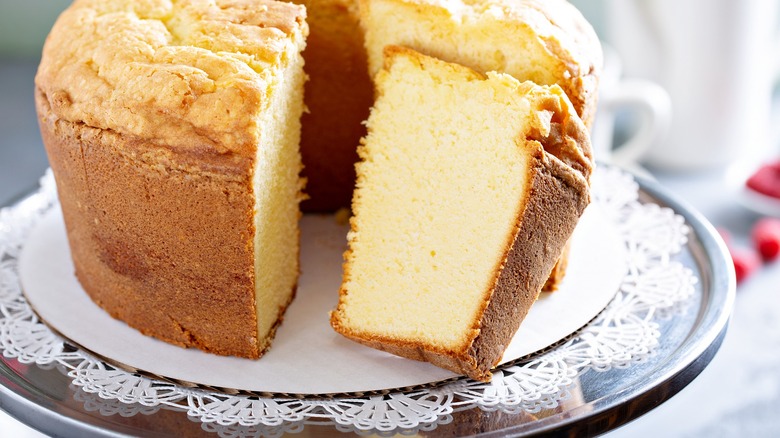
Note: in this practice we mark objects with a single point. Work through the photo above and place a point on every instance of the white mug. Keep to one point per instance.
(718, 59)
(646, 101)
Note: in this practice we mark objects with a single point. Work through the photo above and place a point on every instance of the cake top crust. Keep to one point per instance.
(559, 27)
(557, 22)
(191, 76)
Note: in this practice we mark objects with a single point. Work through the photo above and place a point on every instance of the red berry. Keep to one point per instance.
(766, 180)
(766, 238)
(746, 261)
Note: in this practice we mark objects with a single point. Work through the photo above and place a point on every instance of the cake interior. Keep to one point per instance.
(277, 188)
(441, 181)
(471, 33)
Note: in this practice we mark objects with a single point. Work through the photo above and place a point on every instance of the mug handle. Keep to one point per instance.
(653, 105)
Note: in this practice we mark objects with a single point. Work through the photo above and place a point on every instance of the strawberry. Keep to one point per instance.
(766, 238)
(766, 180)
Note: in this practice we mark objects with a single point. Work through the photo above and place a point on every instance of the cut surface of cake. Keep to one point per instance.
(544, 41)
(338, 95)
(467, 191)
(172, 129)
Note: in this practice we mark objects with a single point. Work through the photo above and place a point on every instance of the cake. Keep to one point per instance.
(339, 91)
(468, 188)
(337, 95)
(544, 41)
(172, 129)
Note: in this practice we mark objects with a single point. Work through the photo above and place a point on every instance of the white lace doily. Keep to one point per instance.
(655, 285)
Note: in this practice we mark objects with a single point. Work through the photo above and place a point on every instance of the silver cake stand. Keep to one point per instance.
(598, 401)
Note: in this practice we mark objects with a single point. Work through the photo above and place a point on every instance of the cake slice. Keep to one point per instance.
(172, 129)
(468, 188)
(544, 41)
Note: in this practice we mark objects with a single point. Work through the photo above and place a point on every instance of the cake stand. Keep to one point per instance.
(598, 397)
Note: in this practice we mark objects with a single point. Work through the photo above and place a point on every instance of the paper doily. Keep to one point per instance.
(655, 285)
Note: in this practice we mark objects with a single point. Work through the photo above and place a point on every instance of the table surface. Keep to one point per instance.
(736, 395)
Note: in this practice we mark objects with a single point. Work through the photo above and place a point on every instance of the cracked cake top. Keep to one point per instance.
(188, 75)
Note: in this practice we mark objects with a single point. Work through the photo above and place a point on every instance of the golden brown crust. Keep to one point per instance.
(562, 137)
(559, 271)
(572, 145)
(557, 201)
(160, 71)
(577, 45)
(175, 278)
(338, 96)
(557, 194)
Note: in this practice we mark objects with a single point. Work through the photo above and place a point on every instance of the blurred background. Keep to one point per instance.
(23, 29)
(690, 97)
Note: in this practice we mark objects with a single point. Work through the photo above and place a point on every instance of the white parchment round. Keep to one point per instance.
(307, 356)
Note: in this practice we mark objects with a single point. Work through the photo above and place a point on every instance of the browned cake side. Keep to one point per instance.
(145, 236)
(559, 271)
(338, 96)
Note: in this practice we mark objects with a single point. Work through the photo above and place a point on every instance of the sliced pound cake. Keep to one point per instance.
(544, 41)
(172, 130)
(468, 188)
